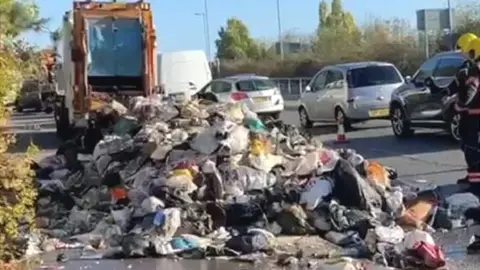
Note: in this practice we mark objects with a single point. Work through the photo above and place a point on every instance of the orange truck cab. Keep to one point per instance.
(106, 47)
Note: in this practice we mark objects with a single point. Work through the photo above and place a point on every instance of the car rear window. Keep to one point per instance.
(448, 67)
(255, 85)
(372, 75)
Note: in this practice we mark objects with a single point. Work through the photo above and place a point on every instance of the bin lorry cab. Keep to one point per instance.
(106, 47)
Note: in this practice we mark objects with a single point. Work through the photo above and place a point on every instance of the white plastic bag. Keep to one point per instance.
(459, 203)
(315, 192)
(393, 235)
(413, 238)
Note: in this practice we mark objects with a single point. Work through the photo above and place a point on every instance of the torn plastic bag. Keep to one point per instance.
(173, 220)
(346, 239)
(125, 125)
(112, 144)
(122, 216)
(293, 221)
(413, 238)
(55, 162)
(352, 190)
(135, 245)
(193, 109)
(148, 108)
(243, 178)
(59, 174)
(459, 203)
(393, 235)
(152, 204)
(237, 140)
(51, 185)
(206, 141)
(302, 166)
(255, 125)
(265, 162)
(394, 202)
(253, 241)
(316, 190)
(137, 196)
(233, 112)
(79, 220)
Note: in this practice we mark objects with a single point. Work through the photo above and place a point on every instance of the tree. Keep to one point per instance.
(234, 42)
(322, 14)
(337, 30)
(17, 61)
(18, 16)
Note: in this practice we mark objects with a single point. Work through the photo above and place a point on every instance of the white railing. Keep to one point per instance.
(291, 88)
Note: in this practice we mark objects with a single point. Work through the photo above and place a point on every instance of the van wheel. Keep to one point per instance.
(305, 121)
(400, 124)
(347, 124)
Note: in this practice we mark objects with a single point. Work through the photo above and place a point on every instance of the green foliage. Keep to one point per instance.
(18, 61)
(235, 43)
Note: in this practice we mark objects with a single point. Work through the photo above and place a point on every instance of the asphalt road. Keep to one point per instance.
(429, 155)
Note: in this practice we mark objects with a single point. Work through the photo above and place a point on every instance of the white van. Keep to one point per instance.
(183, 73)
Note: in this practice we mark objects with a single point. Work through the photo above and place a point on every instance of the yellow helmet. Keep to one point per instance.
(473, 49)
(464, 40)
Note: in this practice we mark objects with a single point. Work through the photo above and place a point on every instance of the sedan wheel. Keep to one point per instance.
(304, 120)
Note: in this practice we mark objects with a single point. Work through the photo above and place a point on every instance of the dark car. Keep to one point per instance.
(424, 100)
(35, 95)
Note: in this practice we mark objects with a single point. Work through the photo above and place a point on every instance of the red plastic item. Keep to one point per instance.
(119, 193)
(238, 96)
(433, 257)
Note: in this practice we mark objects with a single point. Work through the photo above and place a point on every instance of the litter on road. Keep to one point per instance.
(199, 180)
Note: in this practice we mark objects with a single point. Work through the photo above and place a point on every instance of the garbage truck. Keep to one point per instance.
(105, 47)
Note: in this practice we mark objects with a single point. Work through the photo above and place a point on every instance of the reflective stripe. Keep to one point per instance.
(473, 177)
(474, 111)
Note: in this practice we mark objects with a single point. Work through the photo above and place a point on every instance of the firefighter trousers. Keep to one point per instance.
(469, 131)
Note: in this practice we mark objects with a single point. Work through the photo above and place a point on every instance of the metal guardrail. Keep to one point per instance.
(291, 88)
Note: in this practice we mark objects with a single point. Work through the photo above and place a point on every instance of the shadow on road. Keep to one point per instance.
(388, 145)
(325, 129)
(44, 141)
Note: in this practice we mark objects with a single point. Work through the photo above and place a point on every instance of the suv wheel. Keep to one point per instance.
(400, 125)
(304, 119)
(453, 125)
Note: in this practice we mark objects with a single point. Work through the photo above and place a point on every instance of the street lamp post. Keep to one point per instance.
(207, 28)
(279, 22)
(450, 22)
(205, 34)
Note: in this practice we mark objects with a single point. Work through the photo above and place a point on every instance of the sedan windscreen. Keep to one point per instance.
(372, 75)
(255, 85)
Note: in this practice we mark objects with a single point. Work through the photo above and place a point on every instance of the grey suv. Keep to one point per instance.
(424, 100)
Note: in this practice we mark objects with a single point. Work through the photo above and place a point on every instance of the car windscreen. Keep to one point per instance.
(448, 67)
(255, 85)
(372, 75)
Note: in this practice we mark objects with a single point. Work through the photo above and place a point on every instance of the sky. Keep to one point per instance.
(178, 28)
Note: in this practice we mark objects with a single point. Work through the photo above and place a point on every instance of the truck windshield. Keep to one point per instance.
(114, 47)
(372, 75)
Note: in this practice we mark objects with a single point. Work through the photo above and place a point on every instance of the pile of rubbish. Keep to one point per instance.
(198, 180)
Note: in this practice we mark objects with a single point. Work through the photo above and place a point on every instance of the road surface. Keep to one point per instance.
(429, 155)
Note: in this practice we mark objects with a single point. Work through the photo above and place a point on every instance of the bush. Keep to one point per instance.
(17, 187)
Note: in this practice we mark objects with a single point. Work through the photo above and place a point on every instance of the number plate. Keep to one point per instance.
(378, 113)
(260, 99)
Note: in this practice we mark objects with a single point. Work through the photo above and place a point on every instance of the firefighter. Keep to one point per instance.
(464, 40)
(467, 83)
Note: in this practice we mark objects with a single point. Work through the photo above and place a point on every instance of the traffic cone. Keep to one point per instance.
(341, 137)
